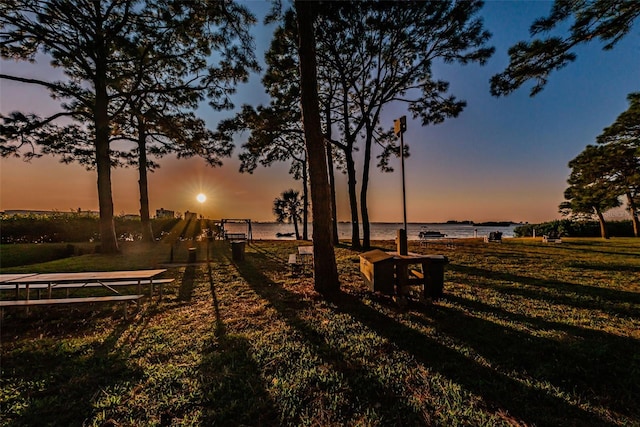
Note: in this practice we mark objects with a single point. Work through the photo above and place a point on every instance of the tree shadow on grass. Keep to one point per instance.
(185, 292)
(588, 297)
(606, 267)
(363, 392)
(598, 367)
(265, 254)
(521, 365)
(594, 247)
(500, 391)
(219, 326)
(58, 383)
(233, 392)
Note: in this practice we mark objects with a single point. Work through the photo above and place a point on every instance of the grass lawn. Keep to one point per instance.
(526, 334)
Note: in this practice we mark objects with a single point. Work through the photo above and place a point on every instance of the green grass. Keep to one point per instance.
(527, 334)
(17, 255)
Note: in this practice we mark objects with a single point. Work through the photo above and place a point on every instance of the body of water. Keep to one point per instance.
(379, 231)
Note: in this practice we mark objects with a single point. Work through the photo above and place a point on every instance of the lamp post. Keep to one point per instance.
(399, 127)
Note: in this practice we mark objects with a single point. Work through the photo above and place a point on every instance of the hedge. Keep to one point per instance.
(72, 227)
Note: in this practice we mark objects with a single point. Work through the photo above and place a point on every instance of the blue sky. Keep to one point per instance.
(501, 159)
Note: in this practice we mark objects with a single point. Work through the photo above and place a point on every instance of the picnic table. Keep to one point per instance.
(105, 279)
(426, 281)
(306, 255)
(302, 260)
(305, 250)
(404, 275)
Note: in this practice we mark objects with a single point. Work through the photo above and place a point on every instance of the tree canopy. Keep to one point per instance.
(288, 208)
(622, 140)
(381, 53)
(591, 191)
(117, 53)
(587, 20)
(274, 132)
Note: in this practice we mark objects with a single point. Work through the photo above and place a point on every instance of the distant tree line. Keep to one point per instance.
(573, 228)
(73, 228)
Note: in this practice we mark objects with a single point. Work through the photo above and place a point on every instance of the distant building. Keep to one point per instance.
(11, 212)
(164, 213)
(190, 216)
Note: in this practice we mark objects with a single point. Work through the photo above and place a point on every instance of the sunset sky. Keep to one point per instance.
(501, 159)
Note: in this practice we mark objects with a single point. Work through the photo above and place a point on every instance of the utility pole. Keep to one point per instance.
(399, 127)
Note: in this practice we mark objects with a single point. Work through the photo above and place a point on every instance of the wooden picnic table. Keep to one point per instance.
(302, 260)
(404, 275)
(428, 279)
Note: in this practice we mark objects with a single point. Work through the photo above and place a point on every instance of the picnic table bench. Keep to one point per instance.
(80, 300)
(494, 236)
(70, 286)
(551, 239)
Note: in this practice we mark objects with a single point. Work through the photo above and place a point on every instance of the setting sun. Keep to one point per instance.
(201, 198)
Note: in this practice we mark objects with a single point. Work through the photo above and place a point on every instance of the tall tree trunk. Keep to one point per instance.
(332, 179)
(295, 227)
(324, 260)
(305, 201)
(633, 210)
(366, 226)
(332, 183)
(108, 241)
(603, 225)
(353, 200)
(143, 184)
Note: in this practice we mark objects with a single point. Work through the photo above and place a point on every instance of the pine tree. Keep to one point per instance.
(606, 20)
(622, 139)
(591, 191)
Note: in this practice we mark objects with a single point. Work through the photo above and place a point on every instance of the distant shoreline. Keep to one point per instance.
(479, 224)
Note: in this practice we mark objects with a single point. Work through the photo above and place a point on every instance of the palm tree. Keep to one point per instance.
(288, 207)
